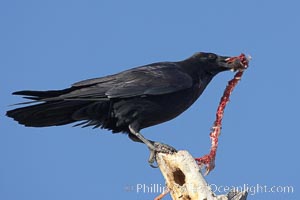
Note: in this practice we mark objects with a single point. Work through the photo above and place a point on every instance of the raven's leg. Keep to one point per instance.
(154, 147)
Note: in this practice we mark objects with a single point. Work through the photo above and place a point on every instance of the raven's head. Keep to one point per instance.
(213, 63)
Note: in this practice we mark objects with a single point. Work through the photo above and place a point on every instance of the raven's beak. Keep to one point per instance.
(234, 63)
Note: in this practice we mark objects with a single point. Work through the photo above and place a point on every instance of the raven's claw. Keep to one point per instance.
(159, 148)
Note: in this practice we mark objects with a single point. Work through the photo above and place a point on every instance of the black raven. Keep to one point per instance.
(128, 101)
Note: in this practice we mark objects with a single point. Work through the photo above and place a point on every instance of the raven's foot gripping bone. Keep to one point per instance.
(159, 148)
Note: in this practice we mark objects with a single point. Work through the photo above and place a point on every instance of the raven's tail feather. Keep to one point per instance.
(39, 95)
(47, 113)
(51, 109)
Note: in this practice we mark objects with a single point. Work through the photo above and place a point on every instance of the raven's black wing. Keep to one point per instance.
(155, 79)
(151, 80)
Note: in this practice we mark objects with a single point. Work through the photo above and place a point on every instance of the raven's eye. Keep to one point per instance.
(212, 56)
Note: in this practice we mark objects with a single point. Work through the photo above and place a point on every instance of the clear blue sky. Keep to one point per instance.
(51, 44)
